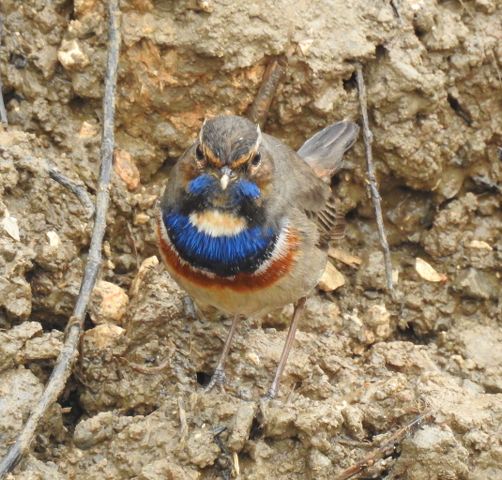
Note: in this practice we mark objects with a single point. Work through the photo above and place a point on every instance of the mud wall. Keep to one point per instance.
(362, 364)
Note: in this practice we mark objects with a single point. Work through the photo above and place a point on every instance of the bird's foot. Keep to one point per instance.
(270, 395)
(218, 379)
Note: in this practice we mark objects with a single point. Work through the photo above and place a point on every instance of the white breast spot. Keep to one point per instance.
(216, 224)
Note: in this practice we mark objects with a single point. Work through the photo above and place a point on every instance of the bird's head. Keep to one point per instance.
(226, 170)
(214, 208)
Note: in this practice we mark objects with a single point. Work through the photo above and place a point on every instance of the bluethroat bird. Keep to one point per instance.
(245, 222)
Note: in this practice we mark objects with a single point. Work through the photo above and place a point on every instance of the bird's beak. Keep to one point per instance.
(225, 177)
(224, 181)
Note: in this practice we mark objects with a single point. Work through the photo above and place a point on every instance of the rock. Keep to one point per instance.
(10, 225)
(94, 430)
(88, 130)
(167, 470)
(44, 347)
(481, 344)
(320, 464)
(373, 326)
(202, 449)
(477, 284)
(71, 55)
(54, 240)
(345, 257)
(353, 420)
(35, 469)
(331, 279)
(146, 266)
(12, 341)
(371, 275)
(108, 303)
(84, 7)
(19, 390)
(377, 319)
(126, 169)
(102, 336)
(243, 420)
(433, 453)
(141, 219)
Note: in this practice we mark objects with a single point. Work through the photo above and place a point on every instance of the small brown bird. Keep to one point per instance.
(245, 222)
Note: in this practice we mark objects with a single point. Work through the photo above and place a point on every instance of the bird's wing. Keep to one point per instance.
(324, 151)
(302, 176)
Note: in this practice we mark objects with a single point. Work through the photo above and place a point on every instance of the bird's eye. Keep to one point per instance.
(199, 154)
(256, 160)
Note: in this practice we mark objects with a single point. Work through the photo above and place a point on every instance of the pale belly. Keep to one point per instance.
(255, 302)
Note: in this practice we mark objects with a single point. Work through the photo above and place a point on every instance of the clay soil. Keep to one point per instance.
(363, 365)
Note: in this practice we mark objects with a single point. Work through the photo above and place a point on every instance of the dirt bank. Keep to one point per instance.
(362, 365)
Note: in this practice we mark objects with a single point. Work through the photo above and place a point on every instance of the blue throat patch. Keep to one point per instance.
(201, 184)
(225, 255)
(205, 185)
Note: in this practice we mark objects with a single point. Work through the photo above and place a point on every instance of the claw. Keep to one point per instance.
(218, 378)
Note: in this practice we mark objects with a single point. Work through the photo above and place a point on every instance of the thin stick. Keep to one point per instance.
(74, 328)
(273, 74)
(3, 111)
(79, 190)
(375, 195)
(183, 420)
(385, 449)
(147, 370)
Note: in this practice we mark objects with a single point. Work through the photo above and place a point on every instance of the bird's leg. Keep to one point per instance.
(218, 377)
(189, 308)
(274, 388)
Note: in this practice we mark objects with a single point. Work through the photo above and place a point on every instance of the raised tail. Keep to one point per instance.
(324, 151)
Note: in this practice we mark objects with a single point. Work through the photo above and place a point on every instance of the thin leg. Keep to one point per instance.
(274, 388)
(218, 377)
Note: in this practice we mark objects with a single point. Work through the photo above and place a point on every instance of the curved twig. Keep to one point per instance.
(375, 195)
(273, 75)
(3, 111)
(387, 448)
(69, 352)
(78, 190)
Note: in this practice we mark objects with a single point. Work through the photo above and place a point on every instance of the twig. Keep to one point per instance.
(273, 74)
(147, 370)
(183, 420)
(385, 449)
(3, 111)
(74, 328)
(395, 8)
(35, 165)
(79, 190)
(375, 195)
(134, 247)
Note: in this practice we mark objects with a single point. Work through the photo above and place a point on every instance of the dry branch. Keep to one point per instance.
(372, 183)
(386, 449)
(261, 105)
(3, 111)
(74, 328)
(78, 190)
